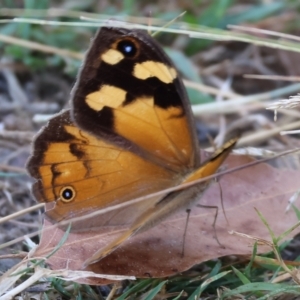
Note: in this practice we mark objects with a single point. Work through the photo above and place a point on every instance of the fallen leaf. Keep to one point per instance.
(157, 252)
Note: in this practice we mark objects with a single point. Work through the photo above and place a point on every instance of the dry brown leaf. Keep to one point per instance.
(157, 252)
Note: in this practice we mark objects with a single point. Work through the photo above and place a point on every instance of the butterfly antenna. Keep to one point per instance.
(211, 141)
(168, 24)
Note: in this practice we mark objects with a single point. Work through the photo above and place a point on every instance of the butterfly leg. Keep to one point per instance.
(188, 211)
(215, 219)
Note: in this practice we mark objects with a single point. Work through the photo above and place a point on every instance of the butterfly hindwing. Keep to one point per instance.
(80, 173)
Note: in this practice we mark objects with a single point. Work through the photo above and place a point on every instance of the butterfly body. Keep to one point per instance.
(129, 134)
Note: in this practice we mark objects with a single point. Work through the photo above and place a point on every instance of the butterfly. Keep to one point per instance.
(129, 133)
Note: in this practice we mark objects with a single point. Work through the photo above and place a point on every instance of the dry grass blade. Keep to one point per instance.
(234, 105)
(20, 136)
(40, 47)
(22, 212)
(8, 279)
(273, 77)
(292, 102)
(274, 245)
(13, 169)
(265, 134)
(59, 12)
(267, 32)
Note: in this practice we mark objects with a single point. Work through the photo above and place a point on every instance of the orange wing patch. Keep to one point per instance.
(148, 69)
(108, 95)
(112, 56)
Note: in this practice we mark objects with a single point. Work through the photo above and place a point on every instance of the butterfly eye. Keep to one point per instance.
(67, 194)
(127, 48)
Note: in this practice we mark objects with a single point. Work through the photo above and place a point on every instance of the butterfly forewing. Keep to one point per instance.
(129, 92)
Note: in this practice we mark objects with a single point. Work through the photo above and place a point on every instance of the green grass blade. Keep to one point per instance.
(155, 291)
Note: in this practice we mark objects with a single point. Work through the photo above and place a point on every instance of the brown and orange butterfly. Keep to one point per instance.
(129, 133)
